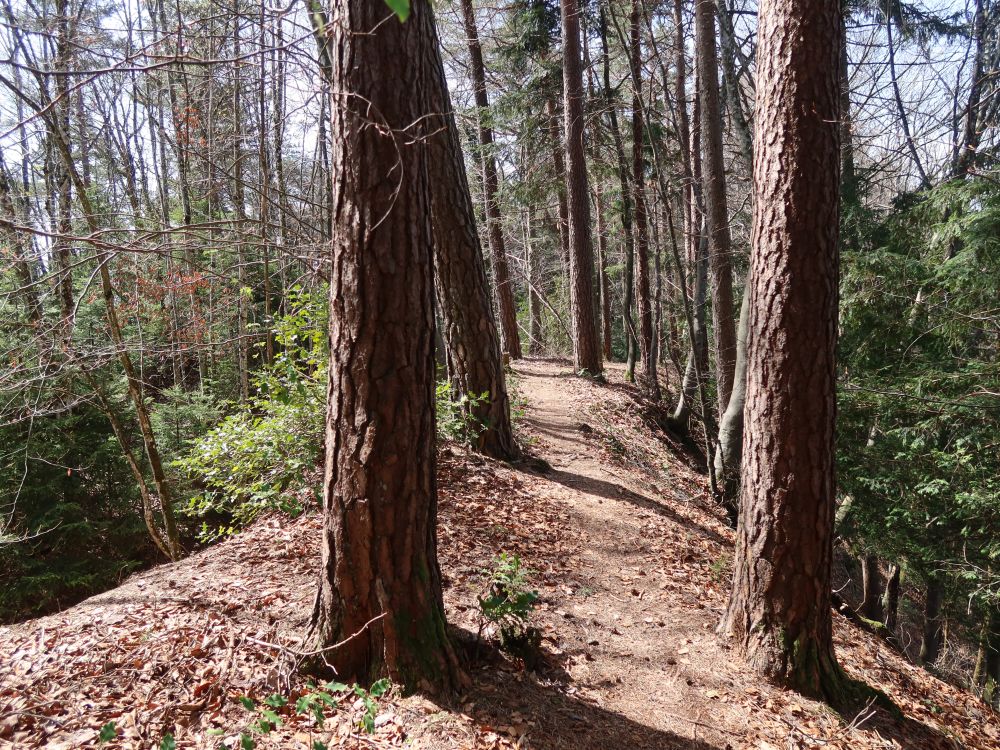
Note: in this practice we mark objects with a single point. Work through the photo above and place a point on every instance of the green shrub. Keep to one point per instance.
(248, 464)
(455, 420)
(254, 460)
(318, 702)
(508, 604)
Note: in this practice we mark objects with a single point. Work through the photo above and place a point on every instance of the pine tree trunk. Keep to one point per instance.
(716, 208)
(586, 350)
(930, 638)
(380, 585)
(779, 610)
(475, 366)
(972, 131)
(510, 341)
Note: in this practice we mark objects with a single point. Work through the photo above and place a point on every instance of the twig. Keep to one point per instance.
(317, 652)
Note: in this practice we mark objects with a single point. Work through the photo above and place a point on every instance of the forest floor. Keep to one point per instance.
(630, 558)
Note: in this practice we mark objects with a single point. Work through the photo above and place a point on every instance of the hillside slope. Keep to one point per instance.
(632, 566)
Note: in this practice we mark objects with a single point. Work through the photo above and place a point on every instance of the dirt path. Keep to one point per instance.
(651, 652)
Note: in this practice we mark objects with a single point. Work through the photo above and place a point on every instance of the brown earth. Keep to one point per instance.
(630, 559)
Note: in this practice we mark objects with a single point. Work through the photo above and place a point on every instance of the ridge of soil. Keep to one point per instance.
(632, 564)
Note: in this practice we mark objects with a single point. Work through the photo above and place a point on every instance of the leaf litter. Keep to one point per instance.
(630, 559)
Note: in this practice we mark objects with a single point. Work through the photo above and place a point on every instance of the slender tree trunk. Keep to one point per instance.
(900, 109)
(696, 371)
(779, 613)
(380, 584)
(559, 166)
(631, 342)
(698, 353)
(729, 448)
(848, 175)
(890, 599)
(145, 496)
(602, 270)
(716, 208)
(972, 132)
(684, 134)
(586, 350)
(132, 379)
(63, 182)
(239, 200)
(264, 191)
(871, 583)
(510, 341)
(534, 283)
(20, 242)
(990, 678)
(645, 308)
(930, 638)
(729, 453)
(734, 101)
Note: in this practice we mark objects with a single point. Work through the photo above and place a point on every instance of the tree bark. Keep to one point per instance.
(871, 583)
(716, 208)
(59, 130)
(238, 190)
(779, 609)
(586, 350)
(510, 340)
(379, 609)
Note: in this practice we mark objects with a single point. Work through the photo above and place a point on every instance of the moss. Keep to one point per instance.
(423, 575)
(819, 675)
(424, 643)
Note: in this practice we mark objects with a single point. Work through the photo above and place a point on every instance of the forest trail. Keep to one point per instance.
(630, 559)
(650, 644)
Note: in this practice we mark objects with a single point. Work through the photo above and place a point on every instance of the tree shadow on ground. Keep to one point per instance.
(908, 733)
(613, 491)
(553, 715)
